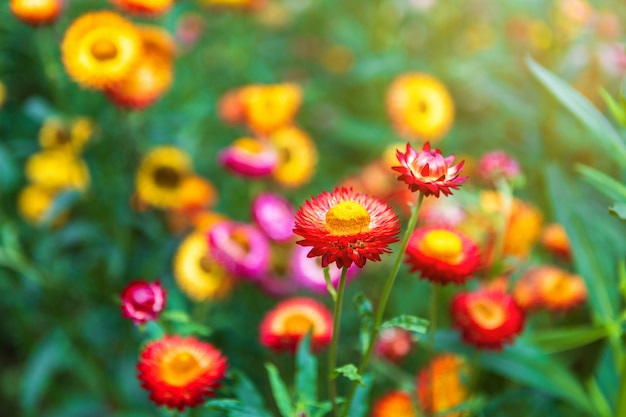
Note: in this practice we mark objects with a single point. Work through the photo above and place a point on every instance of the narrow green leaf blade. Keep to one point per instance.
(359, 406)
(281, 395)
(411, 323)
(605, 184)
(245, 390)
(563, 339)
(235, 408)
(618, 210)
(365, 311)
(306, 372)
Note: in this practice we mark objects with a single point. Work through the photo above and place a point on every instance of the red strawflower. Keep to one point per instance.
(346, 227)
(487, 318)
(286, 324)
(393, 343)
(442, 255)
(143, 301)
(428, 171)
(180, 372)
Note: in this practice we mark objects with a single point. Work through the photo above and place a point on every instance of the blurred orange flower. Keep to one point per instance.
(36, 12)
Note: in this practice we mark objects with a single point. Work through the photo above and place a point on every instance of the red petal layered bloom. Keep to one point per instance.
(346, 227)
(442, 255)
(143, 301)
(180, 372)
(487, 318)
(284, 326)
(428, 171)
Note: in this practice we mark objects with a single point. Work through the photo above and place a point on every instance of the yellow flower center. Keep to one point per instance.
(104, 50)
(443, 245)
(181, 369)
(249, 145)
(240, 237)
(206, 264)
(347, 218)
(487, 313)
(298, 324)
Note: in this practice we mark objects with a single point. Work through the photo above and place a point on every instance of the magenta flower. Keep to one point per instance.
(249, 158)
(241, 248)
(309, 273)
(142, 301)
(274, 215)
(498, 164)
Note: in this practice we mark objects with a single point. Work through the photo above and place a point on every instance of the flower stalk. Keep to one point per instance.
(332, 353)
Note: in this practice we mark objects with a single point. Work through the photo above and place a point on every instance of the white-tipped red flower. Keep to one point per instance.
(428, 171)
(142, 301)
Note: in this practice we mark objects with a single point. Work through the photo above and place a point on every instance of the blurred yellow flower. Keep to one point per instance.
(161, 175)
(57, 169)
(270, 107)
(36, 12)
(420, 107)
(34, 201)
(100, 48)
(55, 134)
(199, 276)
(297, 156)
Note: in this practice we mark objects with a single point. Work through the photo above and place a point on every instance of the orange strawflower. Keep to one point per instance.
(144, 7)
(346, 227)
(151, 77)
(420, 107)
(196, 193)
(554, 239)
(553, 288)
(100, 48)
(487, 318)
(180, 372)
(230, 108)
(428, 171)
(394, 404)
(442, 385)
(286, 324)
(36, 12)
(270, 107)
(442, 255)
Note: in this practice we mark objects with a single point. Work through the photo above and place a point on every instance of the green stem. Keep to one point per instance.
(432, 328)
(506, 203)
(620, 409)
(332, 353)
(329, 284)
(384, 298)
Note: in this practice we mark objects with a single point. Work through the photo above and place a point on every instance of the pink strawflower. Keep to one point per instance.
(142, 301)
(241, 248)
(274, 215)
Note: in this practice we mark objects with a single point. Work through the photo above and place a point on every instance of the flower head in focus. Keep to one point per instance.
(142, 301)
(428, 171)
(487, 318)
(420, 107)
(241, 248)
(36, 12)
(197, 274)
(346, 227)
(394, 404)
(442, 255)
(286, 325)
(180, 372)
(441, 385)
(100, 48)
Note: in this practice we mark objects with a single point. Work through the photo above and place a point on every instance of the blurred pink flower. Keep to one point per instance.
(241, 248)
(274, 215)
(249, 158)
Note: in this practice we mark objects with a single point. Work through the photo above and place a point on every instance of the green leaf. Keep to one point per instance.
(618, 210)
(306, 372)
(562, 339)
(359, 405)
(616, 109)
(176, 316)
(62, 204)
(364, 309)
(598, 399)
(605, 184)
(235, 408)
(349, 371)
(280, 391)
(245, 390)
(322, 409)
(582, 109)
(411, 323)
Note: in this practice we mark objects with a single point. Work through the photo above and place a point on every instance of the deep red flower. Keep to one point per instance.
(346, 227)
(286, 324)
(180, 372)
(487, 318)
(143, 301)
(442, 255)
(428, 171)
